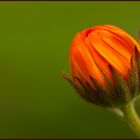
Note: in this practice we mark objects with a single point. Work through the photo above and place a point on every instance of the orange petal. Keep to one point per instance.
(117, 43)
(84, 63)
(99, 60)
(119, 62)
(122, 34)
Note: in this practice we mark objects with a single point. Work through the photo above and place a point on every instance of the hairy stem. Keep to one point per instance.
(131, 117)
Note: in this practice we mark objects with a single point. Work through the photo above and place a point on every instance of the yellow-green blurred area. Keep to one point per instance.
(35, 101)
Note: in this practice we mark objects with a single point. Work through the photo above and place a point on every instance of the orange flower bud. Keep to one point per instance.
(95, 53)
(93, 49)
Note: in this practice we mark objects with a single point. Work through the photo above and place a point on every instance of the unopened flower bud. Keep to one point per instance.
(105, 66)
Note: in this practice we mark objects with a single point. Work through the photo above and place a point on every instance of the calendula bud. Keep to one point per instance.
(105, 66)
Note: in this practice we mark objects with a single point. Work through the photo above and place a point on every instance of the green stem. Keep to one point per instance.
(132, 118)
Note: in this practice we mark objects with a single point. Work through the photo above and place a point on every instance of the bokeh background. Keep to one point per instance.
(35, 37)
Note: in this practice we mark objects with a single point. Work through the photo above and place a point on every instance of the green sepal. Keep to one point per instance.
(88, 91)
(104, 94)
(114, 98)
(79, 90)
(137, 55)
(85, 90)
(132, 78)
(121, 87)
(98, 97)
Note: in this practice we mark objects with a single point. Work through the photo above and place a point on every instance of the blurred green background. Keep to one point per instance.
(35, 37)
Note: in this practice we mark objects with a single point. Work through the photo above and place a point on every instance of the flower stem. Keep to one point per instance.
(131, 117)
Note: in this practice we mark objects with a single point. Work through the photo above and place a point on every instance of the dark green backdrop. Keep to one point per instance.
(35, 37)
